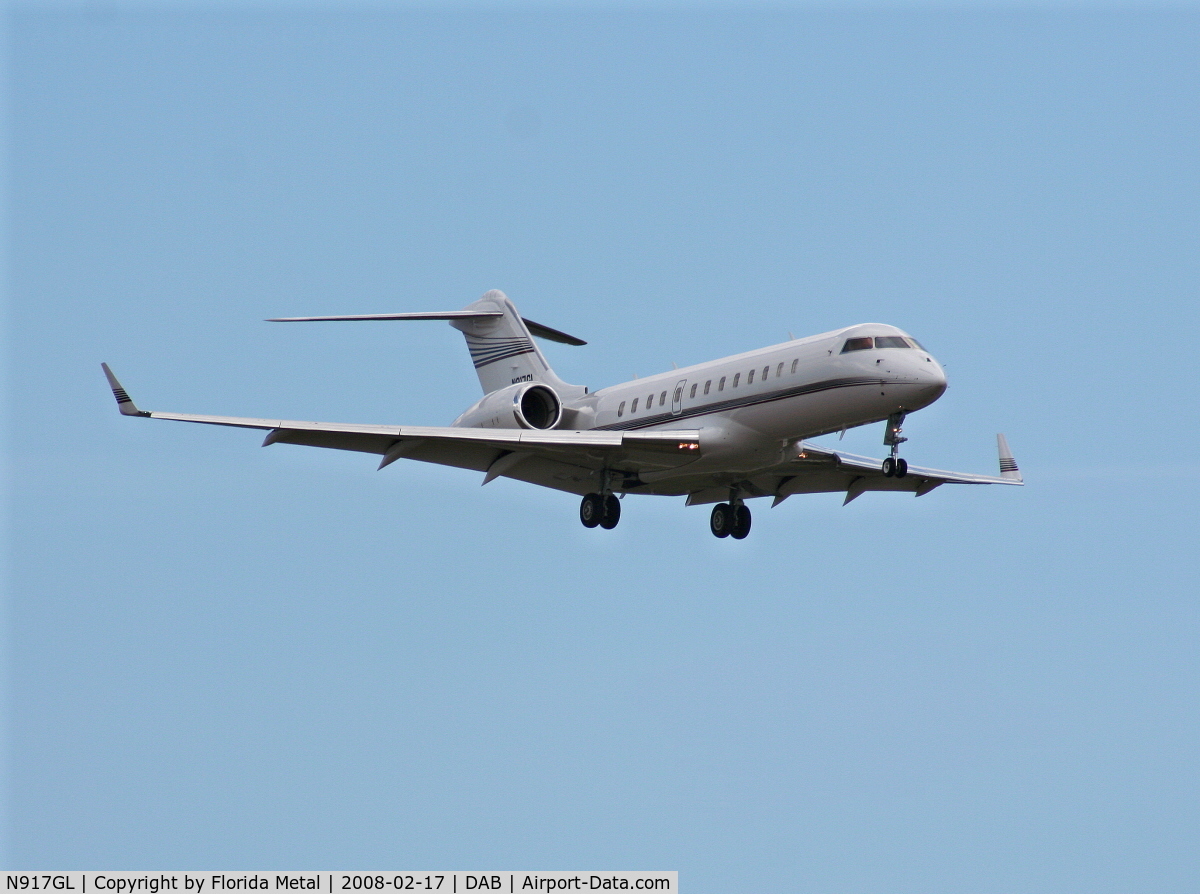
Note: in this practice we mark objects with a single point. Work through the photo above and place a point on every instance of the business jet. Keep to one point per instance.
(721, 433)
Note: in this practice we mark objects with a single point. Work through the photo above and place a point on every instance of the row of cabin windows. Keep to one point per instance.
(662, 398)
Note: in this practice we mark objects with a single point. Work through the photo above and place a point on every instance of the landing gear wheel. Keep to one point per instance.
(889, 467)
(591, 510)
(741, 523)
(901, 468)
(612, 512)
(721, 520)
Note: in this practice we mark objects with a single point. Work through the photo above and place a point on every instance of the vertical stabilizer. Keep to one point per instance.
(502, 348)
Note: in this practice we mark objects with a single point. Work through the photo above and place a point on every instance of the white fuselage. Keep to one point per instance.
(754, 401)
(750, 409)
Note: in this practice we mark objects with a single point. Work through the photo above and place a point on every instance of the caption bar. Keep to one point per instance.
(335, 882)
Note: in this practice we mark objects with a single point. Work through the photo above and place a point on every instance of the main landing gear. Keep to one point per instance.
(730, 520)
(600, 509)
(894, 466)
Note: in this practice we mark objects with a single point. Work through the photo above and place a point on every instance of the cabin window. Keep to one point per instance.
(721, 384)
(794, 362)
(692, 393)
(857, 344)
(891, 341)
(766, 369)
(662, 398)
(649, 401)
(633, 409)
(736, 377)
(707, 385)
(621, 409)
(749, 378)
(779, 371)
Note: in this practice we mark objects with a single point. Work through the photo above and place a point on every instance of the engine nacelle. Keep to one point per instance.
(523, 405)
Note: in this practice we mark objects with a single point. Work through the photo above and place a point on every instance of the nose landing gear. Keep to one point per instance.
(894, 466)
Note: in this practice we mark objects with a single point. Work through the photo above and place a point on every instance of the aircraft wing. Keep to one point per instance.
(816, 469)
(565, 460)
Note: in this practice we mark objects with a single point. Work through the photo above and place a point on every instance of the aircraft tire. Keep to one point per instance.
(741, 523)
(721, 520)
(901, 468)
(591, 510)
(612, 512)
(889, 467)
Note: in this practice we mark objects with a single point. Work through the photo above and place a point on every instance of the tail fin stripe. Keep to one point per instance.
(479, 344)
(487, 361)
(489, 349)
(495, 338)
(500, 349)
(497, 349)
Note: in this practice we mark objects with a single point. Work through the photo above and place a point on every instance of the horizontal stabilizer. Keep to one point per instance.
(444, 315)
(536, 329)
(499, 339)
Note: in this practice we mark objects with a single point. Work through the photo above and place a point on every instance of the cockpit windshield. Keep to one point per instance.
(880, 341)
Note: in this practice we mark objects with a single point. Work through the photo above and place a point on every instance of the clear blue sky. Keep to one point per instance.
(221, 656)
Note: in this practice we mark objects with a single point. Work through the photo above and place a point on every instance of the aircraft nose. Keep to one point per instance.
(933, 377)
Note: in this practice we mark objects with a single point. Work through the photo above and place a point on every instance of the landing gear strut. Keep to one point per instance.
(600, 509)
(612, 512)
(894, 466)
(730, 520)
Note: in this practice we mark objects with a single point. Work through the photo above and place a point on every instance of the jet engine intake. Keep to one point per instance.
(523, 405)
(538, 407)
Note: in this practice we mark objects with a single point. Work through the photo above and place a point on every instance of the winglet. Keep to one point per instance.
(1008, 465)
(124, 403)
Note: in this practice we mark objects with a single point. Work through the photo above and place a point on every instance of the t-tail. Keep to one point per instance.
(502, 346)
(500, 341)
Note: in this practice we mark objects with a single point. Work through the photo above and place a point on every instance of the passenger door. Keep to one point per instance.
(677, 398)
